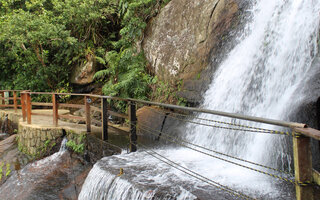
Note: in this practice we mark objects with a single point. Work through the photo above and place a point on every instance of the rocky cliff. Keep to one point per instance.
(183, 39)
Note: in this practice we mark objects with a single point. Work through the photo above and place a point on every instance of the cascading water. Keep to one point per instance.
(259, 77)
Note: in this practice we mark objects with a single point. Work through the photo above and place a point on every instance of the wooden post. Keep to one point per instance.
(29, 107)
(303, 168)
(87, 102)
(55, 107)
(15, 102)
(23, 106)
(133, 129)
(104, 114)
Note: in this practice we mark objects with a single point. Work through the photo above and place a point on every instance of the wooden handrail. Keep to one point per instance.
(308, 132)
(14, 97)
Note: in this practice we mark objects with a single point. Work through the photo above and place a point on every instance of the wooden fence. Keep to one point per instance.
(305, 175)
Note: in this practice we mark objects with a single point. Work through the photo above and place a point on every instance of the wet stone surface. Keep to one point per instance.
(59, 176)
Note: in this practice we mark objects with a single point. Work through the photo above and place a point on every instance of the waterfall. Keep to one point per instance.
(116, 187)
(259, 77)
(104, 182)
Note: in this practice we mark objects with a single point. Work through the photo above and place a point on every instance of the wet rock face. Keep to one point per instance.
(97, 149)
(55, 177)
(11, 159)
(152, 122)
(181, 40)
(308, 111)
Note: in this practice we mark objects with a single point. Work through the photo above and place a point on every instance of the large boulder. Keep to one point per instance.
(83, 74)
(180, 42)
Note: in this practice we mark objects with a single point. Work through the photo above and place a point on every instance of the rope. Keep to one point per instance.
(246, 128)
(216, 152)
(196, 175)
(256, 170)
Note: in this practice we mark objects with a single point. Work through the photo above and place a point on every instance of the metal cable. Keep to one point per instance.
(216, 152)
(256, 170)
(248, 128)
(195, 175)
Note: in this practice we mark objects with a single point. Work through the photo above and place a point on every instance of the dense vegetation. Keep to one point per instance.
(41, 41)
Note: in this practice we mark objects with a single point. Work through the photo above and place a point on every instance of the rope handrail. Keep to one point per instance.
(232, 162)
(195, 174)
(249, 129)
(262, 130)
(216, 152)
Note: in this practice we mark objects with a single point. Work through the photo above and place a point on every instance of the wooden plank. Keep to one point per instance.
(41, 114)
(118, 114)
(64, 105)
(95, 108)
(41, 104)
(303, 167)
(316, 176)
(7, 98)
(7, 106)
(104, 105)
(87, 102)
(309, 132)
(71, 117)
(55, 107)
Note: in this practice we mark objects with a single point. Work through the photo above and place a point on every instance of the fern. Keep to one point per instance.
(100, 60)
(101, 74)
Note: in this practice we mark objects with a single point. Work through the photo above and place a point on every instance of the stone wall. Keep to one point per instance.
(38, 141)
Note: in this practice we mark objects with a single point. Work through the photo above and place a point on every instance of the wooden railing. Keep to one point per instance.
(12, 98)
(304, 173)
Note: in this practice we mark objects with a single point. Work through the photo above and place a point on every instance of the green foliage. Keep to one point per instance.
(127, 76)
(8, 169)
(125, 73)
(46, 143)
(1, 169)
(163, 91)
(22, 149)
(42, 41)
(78, 148)
(29, 43)
(76, 142)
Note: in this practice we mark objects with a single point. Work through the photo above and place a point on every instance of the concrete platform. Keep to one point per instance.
(33, 137)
